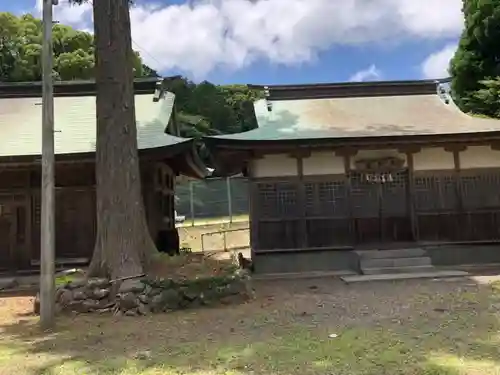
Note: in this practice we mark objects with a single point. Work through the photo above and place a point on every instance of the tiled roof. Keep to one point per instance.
(376, 114)
(75, 124)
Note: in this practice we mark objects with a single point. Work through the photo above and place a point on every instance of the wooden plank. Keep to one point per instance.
(458, 190)
(301, 202)
(347, 173)
(411, 195)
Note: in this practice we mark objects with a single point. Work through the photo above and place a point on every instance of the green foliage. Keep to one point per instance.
(477, 58)
(208, 109)
(488, 98)
(200, 284)
(21, 49)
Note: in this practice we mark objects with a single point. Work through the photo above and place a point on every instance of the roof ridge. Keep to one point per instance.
(350, 89)
(350, 84)
(74, 88)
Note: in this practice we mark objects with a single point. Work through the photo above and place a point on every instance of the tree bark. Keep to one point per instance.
(123, 244)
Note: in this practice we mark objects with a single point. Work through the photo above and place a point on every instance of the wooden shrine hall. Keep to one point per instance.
(163, 155)
(378, 165)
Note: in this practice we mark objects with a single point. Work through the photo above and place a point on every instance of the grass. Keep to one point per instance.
(407, 328)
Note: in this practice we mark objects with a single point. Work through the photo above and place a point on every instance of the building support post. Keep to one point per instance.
(302, 240)
(410, 197)
(47, 256)
(460, 222)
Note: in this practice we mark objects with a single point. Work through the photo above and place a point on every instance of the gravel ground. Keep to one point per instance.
(315, 326)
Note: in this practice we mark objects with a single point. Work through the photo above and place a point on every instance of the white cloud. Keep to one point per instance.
(68, 14)
(436, 64)
(205, 34)
(369, 74)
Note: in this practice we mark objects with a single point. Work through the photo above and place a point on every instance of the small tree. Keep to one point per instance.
(477, 57)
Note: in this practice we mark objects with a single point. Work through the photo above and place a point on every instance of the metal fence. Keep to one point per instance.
(219, 199)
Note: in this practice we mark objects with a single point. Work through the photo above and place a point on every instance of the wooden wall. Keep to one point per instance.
(20, 205)
(460, 202)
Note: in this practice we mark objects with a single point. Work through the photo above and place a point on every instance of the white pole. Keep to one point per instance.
(47, 256)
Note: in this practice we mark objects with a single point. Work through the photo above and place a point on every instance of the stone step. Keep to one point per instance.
(387, 254)
(403, 276)
(395, 262)
(394, 270)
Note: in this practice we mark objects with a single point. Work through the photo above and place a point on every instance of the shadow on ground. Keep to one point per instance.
(293, 327)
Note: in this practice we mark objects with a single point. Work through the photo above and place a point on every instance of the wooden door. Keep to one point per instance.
(75, 220)
(380, 208)
(7, 237)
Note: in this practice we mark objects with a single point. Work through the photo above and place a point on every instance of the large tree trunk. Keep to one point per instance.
(123, 244)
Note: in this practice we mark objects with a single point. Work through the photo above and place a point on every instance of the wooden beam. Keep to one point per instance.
(455, 148)
(346, 151)
(300, 153)
(409, 149)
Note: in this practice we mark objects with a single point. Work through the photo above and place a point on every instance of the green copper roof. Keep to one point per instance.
(362, 116)
(75, 124)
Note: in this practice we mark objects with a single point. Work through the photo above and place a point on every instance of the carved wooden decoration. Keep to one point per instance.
(387, 164)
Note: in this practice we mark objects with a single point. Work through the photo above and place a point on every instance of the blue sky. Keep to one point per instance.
(286, 41)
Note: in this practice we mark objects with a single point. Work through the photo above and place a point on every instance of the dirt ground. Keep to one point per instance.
(315, 326)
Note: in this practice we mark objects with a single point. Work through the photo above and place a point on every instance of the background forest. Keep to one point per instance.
(204, 108)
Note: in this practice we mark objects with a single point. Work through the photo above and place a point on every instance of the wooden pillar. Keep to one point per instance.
(456, 149)
(252, 200)
(253, 193)
(302, 240)
(347, 155)
(410, 191)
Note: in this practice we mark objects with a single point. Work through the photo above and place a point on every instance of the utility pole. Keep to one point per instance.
(47, 256)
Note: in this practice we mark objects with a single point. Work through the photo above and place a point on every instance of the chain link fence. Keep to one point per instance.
(212, 200)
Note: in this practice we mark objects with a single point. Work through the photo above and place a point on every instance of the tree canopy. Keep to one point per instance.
(475, 68)
(21, 48)
(208, 109)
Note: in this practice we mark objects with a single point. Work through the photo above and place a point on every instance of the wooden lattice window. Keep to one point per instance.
(277, 199)
(394, 194)
(480, 191)
(364, 195)
(381, 193)
(435, 193)
(327, 199)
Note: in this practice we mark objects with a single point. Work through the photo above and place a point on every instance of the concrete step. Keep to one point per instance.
(394, 270)
(386, 254)
(395, 262)
(403, 276)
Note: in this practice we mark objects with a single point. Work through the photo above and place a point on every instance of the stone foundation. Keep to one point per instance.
(134, 297)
